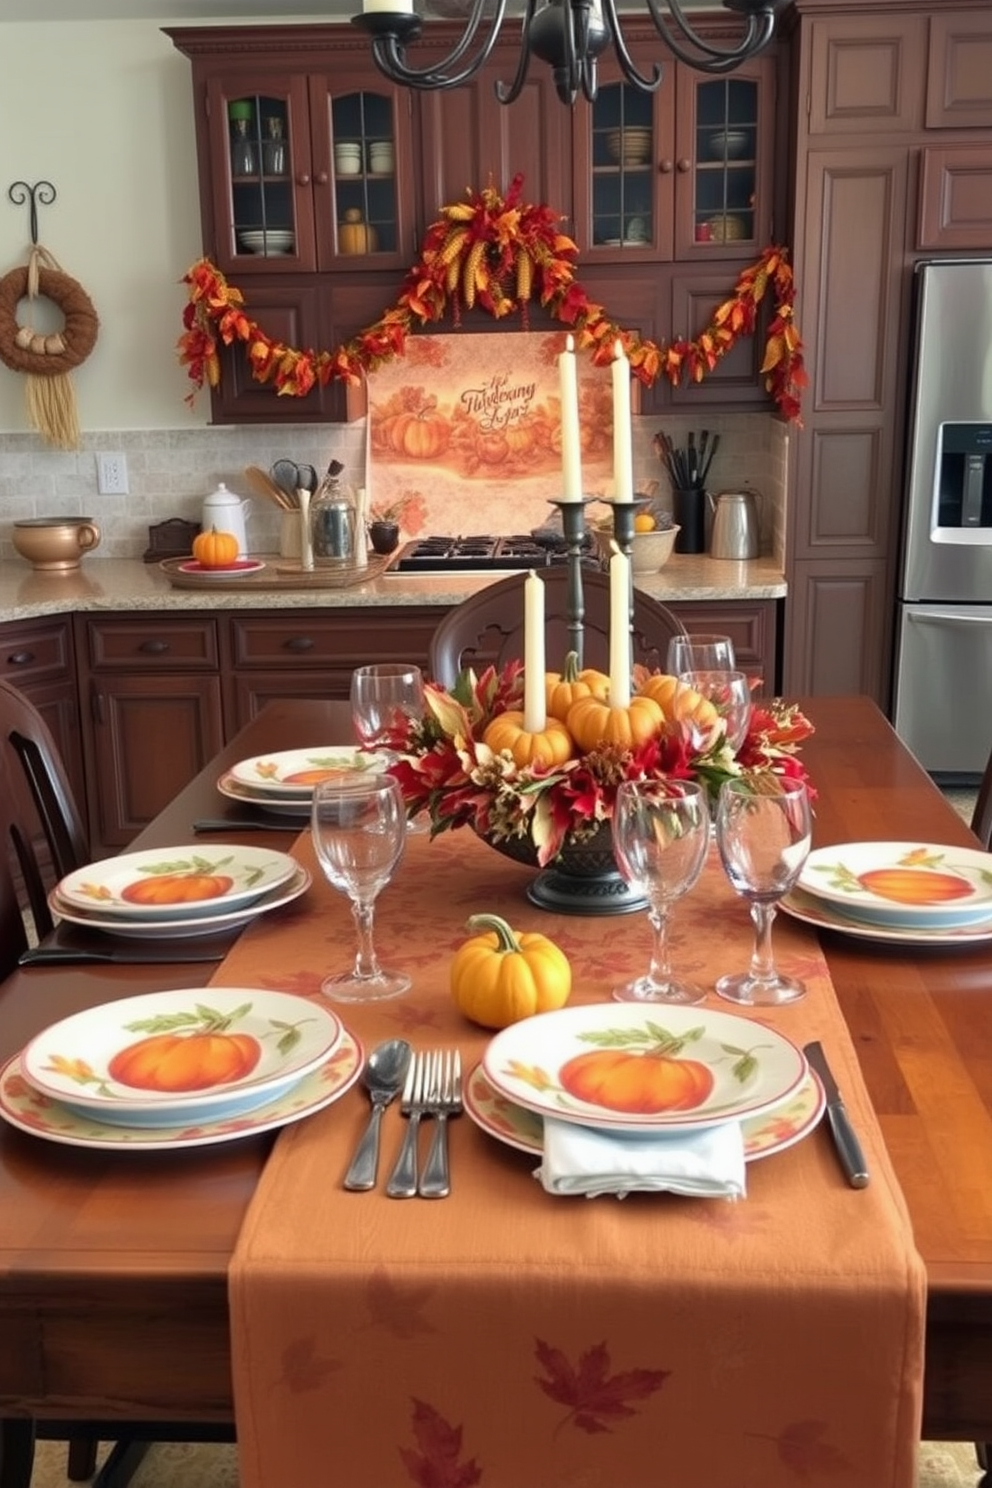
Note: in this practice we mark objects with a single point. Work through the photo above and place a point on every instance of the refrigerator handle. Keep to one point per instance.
(947, 618)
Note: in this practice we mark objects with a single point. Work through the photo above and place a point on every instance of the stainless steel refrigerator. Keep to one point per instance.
(943, 692)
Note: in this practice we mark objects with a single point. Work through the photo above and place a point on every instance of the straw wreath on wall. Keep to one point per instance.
(47, 359)
(497, 254)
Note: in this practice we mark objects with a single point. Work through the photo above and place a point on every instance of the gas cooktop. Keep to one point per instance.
(481, 554)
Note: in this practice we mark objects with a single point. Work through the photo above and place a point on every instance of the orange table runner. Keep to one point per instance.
(509, 1338)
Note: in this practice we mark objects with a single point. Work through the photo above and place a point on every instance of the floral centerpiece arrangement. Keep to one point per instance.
(469, 762)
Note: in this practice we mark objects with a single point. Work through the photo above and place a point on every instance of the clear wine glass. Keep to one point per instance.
(703, 652)
(730, 694)
(763, 834)
(660, 838)
(385, 696)
(359, 833)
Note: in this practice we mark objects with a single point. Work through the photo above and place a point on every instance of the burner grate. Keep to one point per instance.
(478, 554)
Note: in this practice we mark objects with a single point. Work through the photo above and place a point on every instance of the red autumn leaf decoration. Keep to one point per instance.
(596, 1399)
(436, 1465)
(800, 1446)
(303, 1369)
(496, 254)
(397, 1309)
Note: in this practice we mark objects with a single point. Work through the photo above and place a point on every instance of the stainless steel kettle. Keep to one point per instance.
(736, 531)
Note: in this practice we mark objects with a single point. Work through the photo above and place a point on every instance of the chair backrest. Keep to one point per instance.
(981, 821)
(43, 833)
(488, 627)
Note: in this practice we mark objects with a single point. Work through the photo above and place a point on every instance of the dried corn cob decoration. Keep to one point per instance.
(525, 275)
(473, 277)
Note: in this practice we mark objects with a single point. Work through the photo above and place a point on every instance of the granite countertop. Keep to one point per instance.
(129, 584)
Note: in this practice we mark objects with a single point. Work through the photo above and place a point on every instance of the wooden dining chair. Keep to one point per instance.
(42, 838)
(981, 820)
(44, 832)
(488, 627)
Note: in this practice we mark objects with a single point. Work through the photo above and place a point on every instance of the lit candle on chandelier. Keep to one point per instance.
(623, 460)
(619, 631)
(535, 712)
(571, 448)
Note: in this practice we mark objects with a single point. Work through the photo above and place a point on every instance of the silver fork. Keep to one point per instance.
(402, 1182)
(444, 1100)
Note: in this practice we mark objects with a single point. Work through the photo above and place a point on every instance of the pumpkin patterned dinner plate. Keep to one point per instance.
(643, 1067)
(186, 1050)
(777, 1129)
(826, 916)
(31, 1111)
(168, 883)
(295, 772)
(213, 923)
(905, 885)
(228, 571)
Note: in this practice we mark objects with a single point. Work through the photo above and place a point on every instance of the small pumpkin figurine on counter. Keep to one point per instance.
(501, 975)
(215, 549)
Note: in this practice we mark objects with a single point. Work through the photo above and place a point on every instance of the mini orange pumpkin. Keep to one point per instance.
(679, 703)
(215, 549)
(592, 721)
(561, 691)
(552, 745)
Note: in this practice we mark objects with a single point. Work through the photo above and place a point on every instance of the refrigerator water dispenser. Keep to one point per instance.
(964, 475)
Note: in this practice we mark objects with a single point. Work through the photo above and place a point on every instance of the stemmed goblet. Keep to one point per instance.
(385, 698)
(660, 838)
(359, 833)
(730, 694)
(763, 835)
(703, 652)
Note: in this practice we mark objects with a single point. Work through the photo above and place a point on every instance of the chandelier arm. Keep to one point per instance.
(760, 30)
(388, 52)
(647, 83)
(508, 94)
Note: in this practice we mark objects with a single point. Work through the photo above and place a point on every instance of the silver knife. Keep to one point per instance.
(845, 1139)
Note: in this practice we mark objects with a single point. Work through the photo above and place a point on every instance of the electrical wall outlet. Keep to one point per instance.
(111, 474)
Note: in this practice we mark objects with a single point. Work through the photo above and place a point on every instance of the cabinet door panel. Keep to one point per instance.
(956, 197)
(840, 630)
(736, 379)
(959, 82)
(287, 312)
(38, 658)
(866, 72)
(149, 737)
(851, 507)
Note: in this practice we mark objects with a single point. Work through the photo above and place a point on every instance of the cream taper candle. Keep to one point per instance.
(623, 459)
(389, 7)
(619, 631)
(571, 448)
(535, 713)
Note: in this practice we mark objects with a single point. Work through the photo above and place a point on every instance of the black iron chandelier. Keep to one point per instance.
(567, 34)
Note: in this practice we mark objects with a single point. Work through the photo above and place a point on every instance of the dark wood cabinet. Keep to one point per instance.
(959, 80)
(956, 197)
(152, 715)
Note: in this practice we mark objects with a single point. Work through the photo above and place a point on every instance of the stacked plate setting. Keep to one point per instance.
(916, 893)
(527, 1070)
(283, 782)
(176, 892)
(180, 1069)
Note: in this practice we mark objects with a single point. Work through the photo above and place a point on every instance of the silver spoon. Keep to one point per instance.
(384, 1073)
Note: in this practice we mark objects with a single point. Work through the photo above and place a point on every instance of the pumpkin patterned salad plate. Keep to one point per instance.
(234, 570)
(199, 924)
(764, 1135)
(295, 772)
(31, 1111)
(631, 1068)
(176, 882)
(198, 1051)
(906, 885)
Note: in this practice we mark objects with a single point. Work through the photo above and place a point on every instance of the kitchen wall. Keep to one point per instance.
(103, 111)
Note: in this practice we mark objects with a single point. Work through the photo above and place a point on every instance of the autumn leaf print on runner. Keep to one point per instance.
(436, 1464)
(597, 1400)
(800, 1447)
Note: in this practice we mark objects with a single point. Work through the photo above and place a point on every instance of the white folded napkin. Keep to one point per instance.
(587, 1160)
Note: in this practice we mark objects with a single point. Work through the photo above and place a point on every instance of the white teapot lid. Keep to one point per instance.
(223, 497)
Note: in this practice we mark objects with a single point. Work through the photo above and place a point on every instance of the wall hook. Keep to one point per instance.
(42, 191)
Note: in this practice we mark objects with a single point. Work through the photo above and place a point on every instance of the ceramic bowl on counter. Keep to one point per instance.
(55, 544)
(650, 551)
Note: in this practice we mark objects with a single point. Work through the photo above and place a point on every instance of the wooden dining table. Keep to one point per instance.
(114, 1265)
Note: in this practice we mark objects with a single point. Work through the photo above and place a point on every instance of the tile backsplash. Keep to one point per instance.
(169, 472)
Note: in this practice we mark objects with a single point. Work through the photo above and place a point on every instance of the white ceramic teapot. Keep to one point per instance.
(227, 512)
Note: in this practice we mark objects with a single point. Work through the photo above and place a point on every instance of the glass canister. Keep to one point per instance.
(333, 527)
(241, 114)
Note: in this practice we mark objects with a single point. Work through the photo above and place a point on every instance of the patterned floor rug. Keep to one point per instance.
(178, 1465)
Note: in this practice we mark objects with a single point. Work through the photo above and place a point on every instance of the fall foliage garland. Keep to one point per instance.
(495, 253)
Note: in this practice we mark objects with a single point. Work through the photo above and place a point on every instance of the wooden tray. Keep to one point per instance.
(278, 573)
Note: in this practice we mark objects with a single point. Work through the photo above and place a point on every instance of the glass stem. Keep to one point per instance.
(762, 965)
(660, 970)
(366, 964)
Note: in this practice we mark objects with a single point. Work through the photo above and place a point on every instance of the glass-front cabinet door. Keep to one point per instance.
(361, 145)
(681, 173)
(262, 197)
